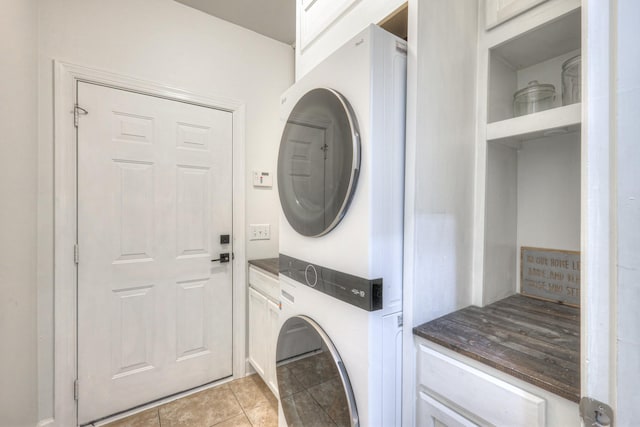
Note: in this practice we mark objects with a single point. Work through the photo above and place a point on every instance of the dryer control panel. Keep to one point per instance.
(363, 293)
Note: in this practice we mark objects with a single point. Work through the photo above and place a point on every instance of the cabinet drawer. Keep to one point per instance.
(264, 282)
(432, 413)
(476, 393)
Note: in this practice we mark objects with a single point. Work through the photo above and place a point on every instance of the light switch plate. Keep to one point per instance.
(259, 231)
(262, 179)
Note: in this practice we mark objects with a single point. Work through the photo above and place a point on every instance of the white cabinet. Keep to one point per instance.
(273, 319)
(317, 15)
(498, 11)
(454, 390)
(432, 413)
(257, 338)
(322, 26)
(480, 396)
(264, 314)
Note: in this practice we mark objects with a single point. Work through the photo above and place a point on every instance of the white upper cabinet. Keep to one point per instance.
(317, 15)
(322, 26)
(498, 11)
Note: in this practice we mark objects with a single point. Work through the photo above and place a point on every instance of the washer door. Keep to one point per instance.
(318, 162)
(313, 384)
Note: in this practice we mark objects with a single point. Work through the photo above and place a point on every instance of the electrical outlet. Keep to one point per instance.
(259, 231)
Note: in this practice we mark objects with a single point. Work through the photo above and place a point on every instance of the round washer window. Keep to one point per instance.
(318, 162)
(307, 359)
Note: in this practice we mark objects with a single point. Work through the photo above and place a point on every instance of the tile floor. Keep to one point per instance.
(246, 402)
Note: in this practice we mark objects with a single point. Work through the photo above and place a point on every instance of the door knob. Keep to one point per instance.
(223, 258)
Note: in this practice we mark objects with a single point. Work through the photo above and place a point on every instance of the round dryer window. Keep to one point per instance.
(318, 162)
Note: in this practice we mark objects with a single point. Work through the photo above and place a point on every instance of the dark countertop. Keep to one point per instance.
(272, 265)
(533, 340)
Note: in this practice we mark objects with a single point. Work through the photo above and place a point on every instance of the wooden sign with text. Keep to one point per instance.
(550, 274)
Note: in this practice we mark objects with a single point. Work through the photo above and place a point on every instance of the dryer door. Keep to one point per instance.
(318, 162)
(313, 384)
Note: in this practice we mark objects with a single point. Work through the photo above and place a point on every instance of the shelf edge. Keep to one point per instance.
(531, 124)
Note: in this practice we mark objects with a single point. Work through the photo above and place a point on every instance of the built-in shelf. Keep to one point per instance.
(535, 55)
(555, 121)
(545, 42)
(532, 163)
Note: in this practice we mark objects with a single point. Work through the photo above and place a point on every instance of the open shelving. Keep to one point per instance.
(557, 121)
(534, 55)
(529, 165)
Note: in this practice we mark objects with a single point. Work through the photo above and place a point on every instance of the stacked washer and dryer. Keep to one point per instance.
(341, 187)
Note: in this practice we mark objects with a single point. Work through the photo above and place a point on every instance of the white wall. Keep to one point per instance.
(440, 153)
(347, 25)
(168, 43)
(441, 129)
(18, 187)
(501, 222)
(549, 194)
(628, 206)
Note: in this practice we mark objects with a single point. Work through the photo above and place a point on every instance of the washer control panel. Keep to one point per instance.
(363, 293)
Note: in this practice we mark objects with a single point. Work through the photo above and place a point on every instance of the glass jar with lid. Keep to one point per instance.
(571, 80)
(533, 98)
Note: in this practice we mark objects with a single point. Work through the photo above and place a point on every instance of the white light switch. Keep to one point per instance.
(262, 179)
(259, 231)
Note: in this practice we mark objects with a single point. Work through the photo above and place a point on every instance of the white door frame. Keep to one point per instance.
(65, 220)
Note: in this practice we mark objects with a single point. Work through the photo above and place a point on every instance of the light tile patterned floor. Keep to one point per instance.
(246, 402)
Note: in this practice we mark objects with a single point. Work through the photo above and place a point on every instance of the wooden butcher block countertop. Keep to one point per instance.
(533, 340)
(268, 264)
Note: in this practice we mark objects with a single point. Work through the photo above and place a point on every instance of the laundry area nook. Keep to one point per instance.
(316, 213)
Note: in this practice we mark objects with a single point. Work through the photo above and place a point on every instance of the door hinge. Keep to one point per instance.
(76, 390)
(595, 413)
(77, 111)
(400, 321)
(76, 253)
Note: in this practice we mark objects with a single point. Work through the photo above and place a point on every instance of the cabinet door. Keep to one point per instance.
(257, 331)
(273, 314)
(499, 11)
(432, 413)
(315, 16)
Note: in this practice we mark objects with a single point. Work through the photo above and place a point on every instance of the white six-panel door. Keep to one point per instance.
(154, 195)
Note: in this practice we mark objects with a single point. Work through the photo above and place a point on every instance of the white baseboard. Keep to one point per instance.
(249, 368)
